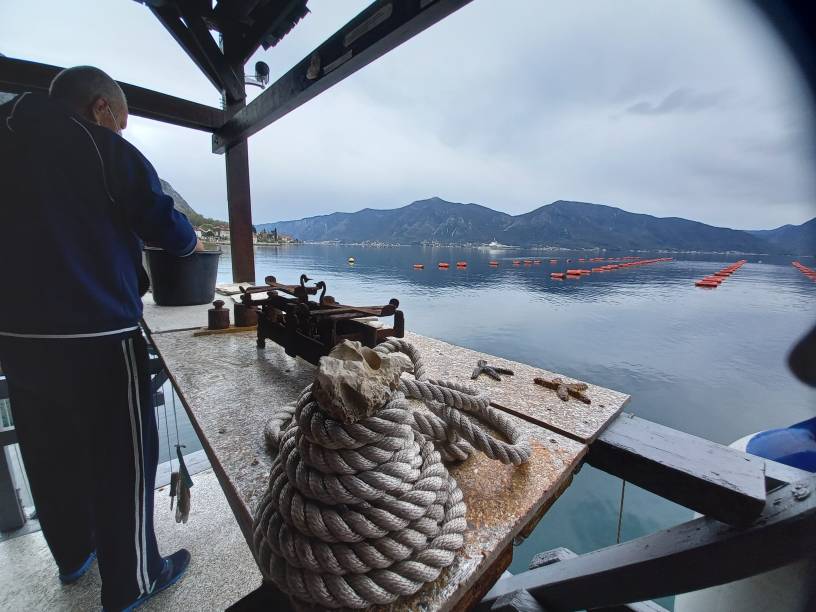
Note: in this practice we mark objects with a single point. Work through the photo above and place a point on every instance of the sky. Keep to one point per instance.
(687, 108)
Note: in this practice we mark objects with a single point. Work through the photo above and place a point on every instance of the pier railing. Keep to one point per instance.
(11, 510)
(758, 515)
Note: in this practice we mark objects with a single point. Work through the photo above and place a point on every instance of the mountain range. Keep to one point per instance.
(562, 224)
(795, 239)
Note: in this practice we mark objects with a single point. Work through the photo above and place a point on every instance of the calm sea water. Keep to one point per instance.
(708, 362)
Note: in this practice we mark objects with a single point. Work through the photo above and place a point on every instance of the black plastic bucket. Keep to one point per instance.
(182, 281)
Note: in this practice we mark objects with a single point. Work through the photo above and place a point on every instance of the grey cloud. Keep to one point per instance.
(683, 108)
(679, 101)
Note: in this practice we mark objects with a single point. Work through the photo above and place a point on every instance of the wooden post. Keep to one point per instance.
(240, 207)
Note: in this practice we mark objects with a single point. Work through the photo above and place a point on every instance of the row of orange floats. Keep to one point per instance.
(712, 281)
(629, 262)
(809, 272)
(444, 265)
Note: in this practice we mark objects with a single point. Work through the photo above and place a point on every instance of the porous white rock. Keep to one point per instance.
(354, 381)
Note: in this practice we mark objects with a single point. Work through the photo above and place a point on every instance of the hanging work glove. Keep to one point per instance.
(174, 479)
(183, 489)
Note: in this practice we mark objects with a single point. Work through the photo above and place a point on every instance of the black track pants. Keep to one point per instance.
(87, 431)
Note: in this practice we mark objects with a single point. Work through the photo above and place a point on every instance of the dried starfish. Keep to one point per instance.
(564, 390)
(491, 371)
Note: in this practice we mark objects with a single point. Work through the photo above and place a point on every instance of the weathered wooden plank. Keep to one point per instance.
(17, 76)
(518, 394)
(692, 556)
(230, 389)
(517, 601)
(707, 477)
(523, 601)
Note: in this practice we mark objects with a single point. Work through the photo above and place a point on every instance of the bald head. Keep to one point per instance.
(93, 94)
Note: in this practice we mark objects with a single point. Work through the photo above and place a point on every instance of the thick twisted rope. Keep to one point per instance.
(359, 514)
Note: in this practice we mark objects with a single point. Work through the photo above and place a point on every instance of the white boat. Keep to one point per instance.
(496, 246)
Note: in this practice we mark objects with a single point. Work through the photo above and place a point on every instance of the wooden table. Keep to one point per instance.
(230, 389)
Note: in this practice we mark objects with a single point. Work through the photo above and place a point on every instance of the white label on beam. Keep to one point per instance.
(369, 24)
(338, 62)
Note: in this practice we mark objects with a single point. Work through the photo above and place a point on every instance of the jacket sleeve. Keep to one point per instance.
(134, 187)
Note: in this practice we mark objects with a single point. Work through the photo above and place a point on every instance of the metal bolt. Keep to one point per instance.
(800, 492)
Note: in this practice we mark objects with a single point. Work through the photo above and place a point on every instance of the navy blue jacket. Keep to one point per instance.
(76, 203)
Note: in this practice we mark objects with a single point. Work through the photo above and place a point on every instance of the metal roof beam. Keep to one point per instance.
(377, 30)
(17, 76)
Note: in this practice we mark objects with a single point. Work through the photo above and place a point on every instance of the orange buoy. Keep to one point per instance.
(419, 266)
(494, 263)
(558, 275)
(516, 262)
(705, 283)
(461, 264)
(443, 264)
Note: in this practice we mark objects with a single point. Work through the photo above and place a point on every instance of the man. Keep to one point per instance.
(78, 200)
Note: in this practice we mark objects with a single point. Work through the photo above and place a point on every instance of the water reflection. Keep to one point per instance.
(709, 362)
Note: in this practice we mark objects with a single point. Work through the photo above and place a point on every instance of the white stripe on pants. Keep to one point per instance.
(136, 429)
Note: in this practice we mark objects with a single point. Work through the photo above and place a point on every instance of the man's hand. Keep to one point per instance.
(199, 246)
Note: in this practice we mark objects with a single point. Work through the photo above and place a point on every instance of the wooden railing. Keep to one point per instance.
(759, 515)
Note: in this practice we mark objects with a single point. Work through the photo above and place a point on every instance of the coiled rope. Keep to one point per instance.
(359, 514)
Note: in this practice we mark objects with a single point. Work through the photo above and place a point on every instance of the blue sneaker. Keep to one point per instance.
(72, 577)
(174, 567)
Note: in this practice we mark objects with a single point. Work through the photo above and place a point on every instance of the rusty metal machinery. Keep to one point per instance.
(307, 323)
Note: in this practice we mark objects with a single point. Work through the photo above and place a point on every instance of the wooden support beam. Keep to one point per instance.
(267, 19)
(377, 30)
(232, 76)
(169, 17)
(239, 202)
(17, 76)
(707, 477)
(193, 36)
(692, 556)
(522, 601)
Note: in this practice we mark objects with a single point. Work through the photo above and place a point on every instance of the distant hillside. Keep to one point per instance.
(792, 239)
(433, 219)
(560, 224)
(181, 205)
